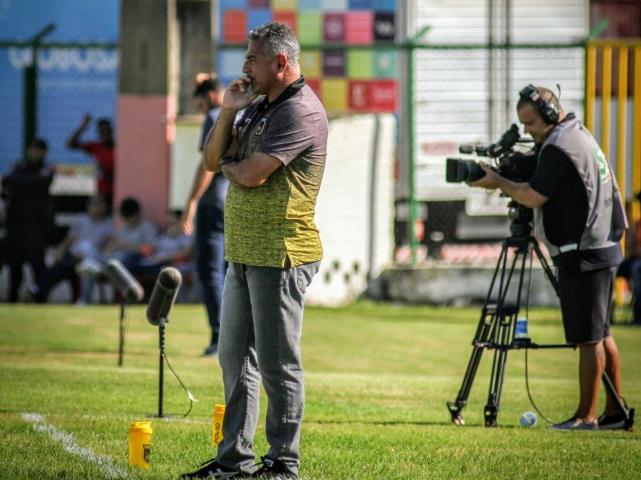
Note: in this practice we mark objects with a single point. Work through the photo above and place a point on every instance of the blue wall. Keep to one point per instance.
(71, 81)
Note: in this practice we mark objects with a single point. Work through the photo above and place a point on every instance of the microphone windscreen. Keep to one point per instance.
(124, 281)
(170, 278)
(467, 148)
(164, 295)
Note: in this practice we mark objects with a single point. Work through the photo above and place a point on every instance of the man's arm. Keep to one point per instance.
(252, 171)
(218, 140)
(202, 179)
(74, 140)
(521, 192)
(237, 96)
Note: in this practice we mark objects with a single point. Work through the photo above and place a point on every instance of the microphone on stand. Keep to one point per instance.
(131, 292)
(124, 281)
(163, 295)
(162, 299)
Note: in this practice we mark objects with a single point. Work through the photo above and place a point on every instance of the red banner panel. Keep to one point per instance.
(314, 84)
(288, 17)
(359, 27)
(359, 95)
(383, 95)
(234, 26)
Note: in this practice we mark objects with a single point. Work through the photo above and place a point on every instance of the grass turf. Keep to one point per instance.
(377, 379)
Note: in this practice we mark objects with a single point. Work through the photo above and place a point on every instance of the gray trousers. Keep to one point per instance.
(260, 331)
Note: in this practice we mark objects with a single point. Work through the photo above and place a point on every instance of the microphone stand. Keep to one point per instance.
(161, 364)
(121, 340)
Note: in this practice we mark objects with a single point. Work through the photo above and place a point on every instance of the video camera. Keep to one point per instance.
(518, 166)
(514, 165)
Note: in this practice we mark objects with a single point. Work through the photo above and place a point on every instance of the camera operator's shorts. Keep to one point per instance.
(585, 303)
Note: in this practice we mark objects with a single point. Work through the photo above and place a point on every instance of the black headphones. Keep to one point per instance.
(549, 111)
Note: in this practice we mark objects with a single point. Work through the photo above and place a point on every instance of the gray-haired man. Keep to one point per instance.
(273, 153)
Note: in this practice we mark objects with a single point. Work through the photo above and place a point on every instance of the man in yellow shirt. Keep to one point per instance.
(270, 141)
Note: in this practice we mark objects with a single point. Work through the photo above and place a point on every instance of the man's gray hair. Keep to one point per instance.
(276, 38)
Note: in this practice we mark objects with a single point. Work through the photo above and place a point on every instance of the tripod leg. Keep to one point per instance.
(546, 266)
(506, 315)
(483, 333)
(492, 407)
(623, 407)
(481, 337)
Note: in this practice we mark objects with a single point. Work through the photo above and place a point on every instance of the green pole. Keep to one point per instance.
(30, 89)
(29, 102)
(413, 213)
(411, 162)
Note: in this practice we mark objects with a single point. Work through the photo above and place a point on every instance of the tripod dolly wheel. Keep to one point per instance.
(455, 411)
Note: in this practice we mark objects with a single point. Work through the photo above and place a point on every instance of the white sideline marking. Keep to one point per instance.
(70, 445)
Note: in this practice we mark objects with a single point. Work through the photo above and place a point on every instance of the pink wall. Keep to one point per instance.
(145, 129)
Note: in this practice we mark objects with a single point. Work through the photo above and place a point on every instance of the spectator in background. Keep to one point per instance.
(28, 214)
(132, 235)
(85, 240)
(101, 150)
(172, 247)
(631, 266)
(124, 244)
(206, 202)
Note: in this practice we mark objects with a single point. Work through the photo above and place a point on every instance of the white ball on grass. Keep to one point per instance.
(528, 419)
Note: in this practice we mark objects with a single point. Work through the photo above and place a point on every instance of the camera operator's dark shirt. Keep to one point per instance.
(566, 211)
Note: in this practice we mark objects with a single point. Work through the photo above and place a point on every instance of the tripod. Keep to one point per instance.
(497, 325)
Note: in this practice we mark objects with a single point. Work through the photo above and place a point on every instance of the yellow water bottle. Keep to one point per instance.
(140, 444)
(217, 430)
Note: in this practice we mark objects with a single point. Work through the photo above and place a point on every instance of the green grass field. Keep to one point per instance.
(377, 379)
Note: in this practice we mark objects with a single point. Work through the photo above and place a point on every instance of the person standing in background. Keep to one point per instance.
(206, 204)
(29, 214)
(631, 266)
(102, 151)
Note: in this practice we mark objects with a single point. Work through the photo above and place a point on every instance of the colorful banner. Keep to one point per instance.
(361, 78)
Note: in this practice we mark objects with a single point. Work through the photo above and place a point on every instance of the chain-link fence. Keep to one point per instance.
(467, 94)
(49, 101)
(70, 80)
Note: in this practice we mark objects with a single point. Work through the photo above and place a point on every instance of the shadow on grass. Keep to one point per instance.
(394, 423)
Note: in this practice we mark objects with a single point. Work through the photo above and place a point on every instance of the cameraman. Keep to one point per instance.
(580, 217)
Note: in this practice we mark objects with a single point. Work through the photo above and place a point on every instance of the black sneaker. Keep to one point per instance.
(212, 469)
(575, 424)
(612, 422)
(274, 470)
